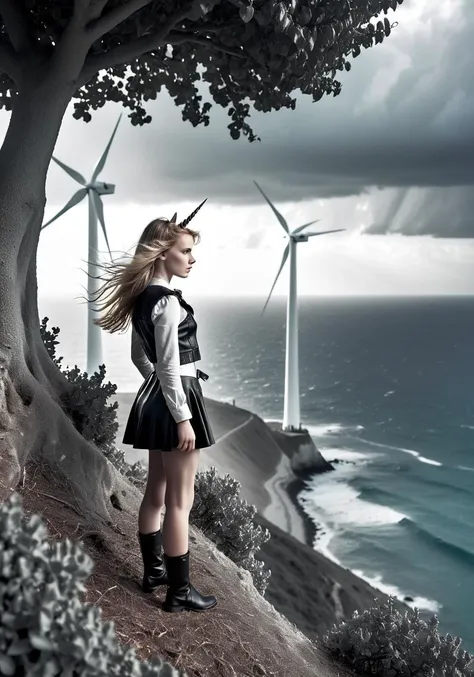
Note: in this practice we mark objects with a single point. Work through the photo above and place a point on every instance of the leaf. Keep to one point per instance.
(7, 665)
(40, 642)
(304, 16)
(246, 14)
(286, 23)
(313, 37)
(264, 15)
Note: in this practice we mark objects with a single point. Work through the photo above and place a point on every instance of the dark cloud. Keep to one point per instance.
(441, 212)
(404, 121)
(419, 134)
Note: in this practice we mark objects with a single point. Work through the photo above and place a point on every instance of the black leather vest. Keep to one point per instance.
(141, 320)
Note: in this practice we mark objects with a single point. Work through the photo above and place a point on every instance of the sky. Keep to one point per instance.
(390, 160)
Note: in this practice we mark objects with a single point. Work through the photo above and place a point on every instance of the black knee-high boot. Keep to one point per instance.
(154, 571)
(181, 594)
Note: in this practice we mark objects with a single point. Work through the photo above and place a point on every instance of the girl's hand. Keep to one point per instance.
(186, 436)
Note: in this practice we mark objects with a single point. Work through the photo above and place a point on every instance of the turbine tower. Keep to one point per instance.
(93, 189)
(291, 407)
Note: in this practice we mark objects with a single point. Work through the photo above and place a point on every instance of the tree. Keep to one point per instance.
(249, 52)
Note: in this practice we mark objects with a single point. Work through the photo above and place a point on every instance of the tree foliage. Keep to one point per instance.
(249, 52)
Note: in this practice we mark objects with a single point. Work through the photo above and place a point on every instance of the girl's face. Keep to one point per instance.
(179, 259)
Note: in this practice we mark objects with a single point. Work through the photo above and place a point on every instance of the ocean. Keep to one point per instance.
(385, 383)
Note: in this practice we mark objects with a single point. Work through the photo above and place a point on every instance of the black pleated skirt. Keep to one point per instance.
(150, 424)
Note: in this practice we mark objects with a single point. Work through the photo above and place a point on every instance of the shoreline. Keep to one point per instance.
(281, 509)
(293, 487)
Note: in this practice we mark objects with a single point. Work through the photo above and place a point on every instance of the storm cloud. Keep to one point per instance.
(400, 135)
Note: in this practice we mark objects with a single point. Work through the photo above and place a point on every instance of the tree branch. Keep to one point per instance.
(104, 24)
(9, 63)
(95, 9)
(131, 50)
(126, 53)
(15, 24)
(179, 38)
(211, 28)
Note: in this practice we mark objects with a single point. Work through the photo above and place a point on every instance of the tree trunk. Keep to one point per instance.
(32, 422)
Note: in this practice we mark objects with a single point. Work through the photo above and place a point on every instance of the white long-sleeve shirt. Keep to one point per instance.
(166, 315)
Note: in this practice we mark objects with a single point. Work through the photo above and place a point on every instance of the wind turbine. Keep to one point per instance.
(93, 189)
(291, 406)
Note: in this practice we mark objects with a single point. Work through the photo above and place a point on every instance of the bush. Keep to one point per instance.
(382, 641)
(88, 409)
(218, 511)
(49, 340)
(45, 629)
(226, 519)
(87, 405)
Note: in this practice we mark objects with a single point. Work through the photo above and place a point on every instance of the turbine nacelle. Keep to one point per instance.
(295, 236)
(102, 188)
(299, 237)
(93, 189)
(291, 401)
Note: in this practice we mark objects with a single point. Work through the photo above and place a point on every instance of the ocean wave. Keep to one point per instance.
(451, 549)
(411, 452)
(376, 492)
(323, 429)
(338, 504)
(449, 486)
(376, 581)
(422, 459)
(343, 454)
(322, 544)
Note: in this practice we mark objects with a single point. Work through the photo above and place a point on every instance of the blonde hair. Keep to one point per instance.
(126, 280)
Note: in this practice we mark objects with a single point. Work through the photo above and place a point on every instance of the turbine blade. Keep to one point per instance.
(100, 165)
(72, 172)
(324, 232)
(99, 210)
(300, 228)
(275, 210)
(283, 261)
(76, 198)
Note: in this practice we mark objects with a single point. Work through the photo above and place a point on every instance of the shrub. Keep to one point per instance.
(218, 511)
(87, 405)
(382, 641)
(226, 519)
(45, 629)
(49, 340)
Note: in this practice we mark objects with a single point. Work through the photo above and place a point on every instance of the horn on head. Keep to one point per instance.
(184, 223)
(174, 217)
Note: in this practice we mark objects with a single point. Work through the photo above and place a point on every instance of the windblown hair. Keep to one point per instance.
(124, 281)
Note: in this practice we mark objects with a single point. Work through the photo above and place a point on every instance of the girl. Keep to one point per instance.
(168, 416)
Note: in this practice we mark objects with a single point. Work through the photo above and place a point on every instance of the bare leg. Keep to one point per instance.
(180, 468)
(149, 515)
